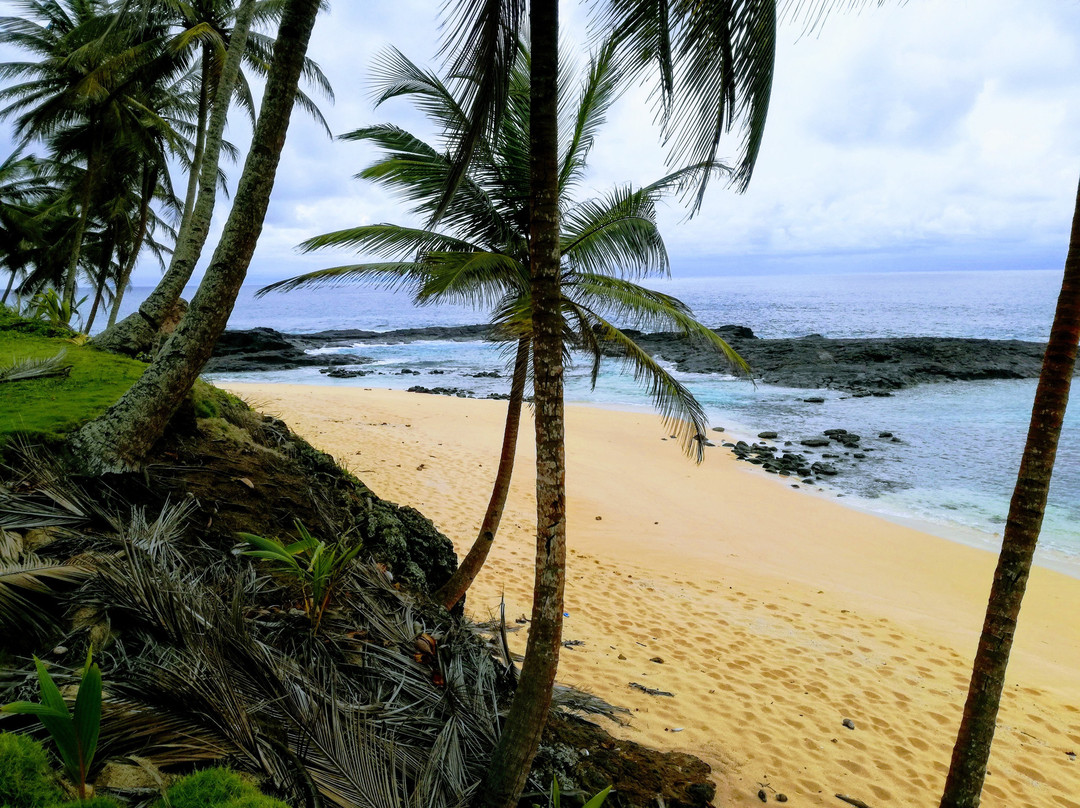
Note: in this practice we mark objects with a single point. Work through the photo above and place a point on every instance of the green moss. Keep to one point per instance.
(93, 802)
(49, 408)
(26, 779)
(218, 788)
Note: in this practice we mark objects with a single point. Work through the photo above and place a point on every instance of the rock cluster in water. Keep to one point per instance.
(860, 367)
(841, 447)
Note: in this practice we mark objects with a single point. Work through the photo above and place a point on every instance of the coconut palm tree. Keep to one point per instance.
(715, 65)
(480, 255)
(971, 753)
(125, 433)
(205, 25)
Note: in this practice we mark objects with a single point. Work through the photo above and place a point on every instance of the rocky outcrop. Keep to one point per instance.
(870, 366)
(858, 366)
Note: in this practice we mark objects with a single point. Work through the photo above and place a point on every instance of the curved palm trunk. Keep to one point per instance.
(122, 437)
(136, 332)
(454, 589)
(200, 138)
(71, 276)
(150, 178)
(972, 751)
(10, 283)
(528, 714)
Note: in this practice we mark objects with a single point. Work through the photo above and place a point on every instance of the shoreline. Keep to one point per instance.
(774, 616)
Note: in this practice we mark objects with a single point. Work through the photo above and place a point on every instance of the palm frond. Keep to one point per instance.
(393, 275)
(679, 410)
(480, 47)
(23, 582)
(35, 368)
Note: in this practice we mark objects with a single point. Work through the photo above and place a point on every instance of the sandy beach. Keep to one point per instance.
(772, 614)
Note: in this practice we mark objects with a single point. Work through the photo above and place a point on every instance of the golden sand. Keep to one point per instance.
(776, 613)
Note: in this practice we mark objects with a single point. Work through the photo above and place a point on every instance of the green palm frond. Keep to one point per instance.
(471, 278)
(481, 51)
(715, 71)
(389, 240)
(649, 310)
(418, 173)
(602, 88)
(392, 275)
(679, 411)
(617, 233)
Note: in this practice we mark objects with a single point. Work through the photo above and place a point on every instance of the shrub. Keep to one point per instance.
(26, 780)
(217, 788)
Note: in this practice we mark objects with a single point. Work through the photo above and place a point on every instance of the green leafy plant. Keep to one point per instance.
(595, 802)
(26, 781)
(74, 733)
(316, 565)
(51, 308)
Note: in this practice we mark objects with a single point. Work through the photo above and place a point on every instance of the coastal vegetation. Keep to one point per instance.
(302, 673)
(480, 254)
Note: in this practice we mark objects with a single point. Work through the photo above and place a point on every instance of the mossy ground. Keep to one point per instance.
(48, 408)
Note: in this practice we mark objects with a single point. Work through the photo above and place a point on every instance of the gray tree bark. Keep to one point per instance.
(123, 436)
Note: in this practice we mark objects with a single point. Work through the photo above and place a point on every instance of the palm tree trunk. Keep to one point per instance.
(455, 588)
(528, 714)
(99, 291)
(150, 179)
(967, 771)
(200, 139)
(71, 276)
(10, 283)
(136, 332)
(122, 437)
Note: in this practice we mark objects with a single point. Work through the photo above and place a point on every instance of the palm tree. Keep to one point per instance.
(88, 98)
(715, 74)
(481, 255)
(20, 190)
(222, 51)
(125, 433)
(971, 753)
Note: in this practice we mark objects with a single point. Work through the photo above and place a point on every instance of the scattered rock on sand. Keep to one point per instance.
(849, 723)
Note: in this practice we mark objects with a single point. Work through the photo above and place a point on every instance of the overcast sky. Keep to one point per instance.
(932, 135)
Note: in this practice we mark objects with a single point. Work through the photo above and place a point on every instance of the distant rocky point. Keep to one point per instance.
(874, 366)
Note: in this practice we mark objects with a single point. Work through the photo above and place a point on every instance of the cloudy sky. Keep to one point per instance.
(931, 135)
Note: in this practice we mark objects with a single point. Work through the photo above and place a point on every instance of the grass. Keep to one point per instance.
(49, 408)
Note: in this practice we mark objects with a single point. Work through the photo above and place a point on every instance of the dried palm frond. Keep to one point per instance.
(22, 582)
(20, 370)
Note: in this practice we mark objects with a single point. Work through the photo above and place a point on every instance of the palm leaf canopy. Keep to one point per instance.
(478, 252)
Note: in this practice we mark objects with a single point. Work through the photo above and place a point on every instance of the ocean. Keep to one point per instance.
(959, 444)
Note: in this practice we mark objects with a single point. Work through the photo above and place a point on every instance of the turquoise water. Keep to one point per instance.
(960, 443)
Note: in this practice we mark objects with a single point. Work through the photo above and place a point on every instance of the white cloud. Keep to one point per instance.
(925, 133)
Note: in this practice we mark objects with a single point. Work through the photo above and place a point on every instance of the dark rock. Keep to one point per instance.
(859, 456)
(781, 797)
(884, 434)
(761, 795)
(849, 723)
(342, 372)
(832, 433)
(486, 374)
(815, 441)
(717, 429)
(824, 468)
(814, 400)
(442, 391)
(436, 372)
(768, 435)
